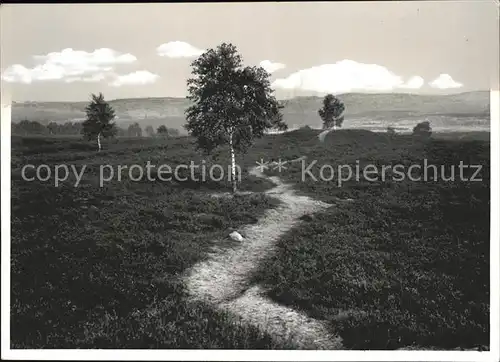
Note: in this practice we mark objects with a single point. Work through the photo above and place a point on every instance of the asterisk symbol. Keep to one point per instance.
(280, 165)
(262, 165)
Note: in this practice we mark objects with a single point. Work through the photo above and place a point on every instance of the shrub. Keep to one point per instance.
(423, 129)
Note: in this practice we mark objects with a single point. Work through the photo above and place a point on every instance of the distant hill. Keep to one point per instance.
(298, 111)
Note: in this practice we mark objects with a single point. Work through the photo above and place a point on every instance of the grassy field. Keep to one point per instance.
(99, 267)
(406, 263)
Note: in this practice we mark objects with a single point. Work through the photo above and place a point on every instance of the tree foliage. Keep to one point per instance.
(99, 119)
(134, 130)
(162, 130)
(26, 127)
(167, 132)
(173, 132)
(422, 129)
(150, 132)
(121, 132)
(230, 101)
(332, 112)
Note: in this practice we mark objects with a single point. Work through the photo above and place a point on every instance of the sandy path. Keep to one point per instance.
(222, 280)
(323, 134)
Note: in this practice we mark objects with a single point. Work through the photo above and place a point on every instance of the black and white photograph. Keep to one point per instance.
(292, 181)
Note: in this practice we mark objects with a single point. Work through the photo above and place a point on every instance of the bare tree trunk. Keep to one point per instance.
(233, 163)
(99, 141)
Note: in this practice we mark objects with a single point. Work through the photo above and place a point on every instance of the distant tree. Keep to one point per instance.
(66, 128)
(99, 120)
(121, 132)
(162, 130)
(31, 128)
(167, 132)
(391, 131)
(231, 105)
(150, 132)
(17, 128)
(423, 129)
(53, 128)
(332, 112)
(70, 128)
(134, 130)
(173, 132)
(23, 127)
(77, 128)
(38, 128)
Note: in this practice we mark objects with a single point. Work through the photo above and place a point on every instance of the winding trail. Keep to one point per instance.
(222, 281)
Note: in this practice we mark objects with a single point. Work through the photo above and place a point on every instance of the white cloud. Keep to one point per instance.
(18, 73)
(139, 77)
(414, 82)
(80, 59)
(445, 81)
(67, 64)
(346, 76)
(178, 49)
(270, 66)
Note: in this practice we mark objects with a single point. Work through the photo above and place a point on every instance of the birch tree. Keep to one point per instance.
(232, 104)
(98, 123)
(332, 112)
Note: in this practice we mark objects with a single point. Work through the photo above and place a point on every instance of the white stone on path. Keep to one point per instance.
(236, 236)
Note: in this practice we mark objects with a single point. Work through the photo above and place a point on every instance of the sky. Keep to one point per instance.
(65, 52)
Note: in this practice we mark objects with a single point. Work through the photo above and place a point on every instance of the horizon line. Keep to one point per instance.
(280, 99)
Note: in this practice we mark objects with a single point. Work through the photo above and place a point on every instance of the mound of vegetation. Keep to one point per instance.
(303, 134)
(347, 136)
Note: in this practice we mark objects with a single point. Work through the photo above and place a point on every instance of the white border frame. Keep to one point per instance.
(255, 355)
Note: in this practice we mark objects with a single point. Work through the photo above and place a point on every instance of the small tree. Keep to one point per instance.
(422, 129)
(71, 128)
(232, 105)
(31, 127)
(149, 131)
(24, 126)
(121, 132)
(134, 130)
(173, 132)
(332, 112)
(99, 120)
(162, 130)
(53, 128)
